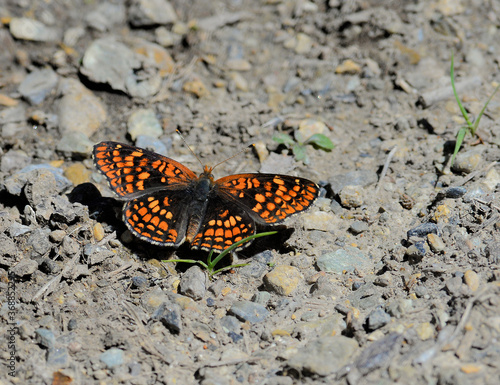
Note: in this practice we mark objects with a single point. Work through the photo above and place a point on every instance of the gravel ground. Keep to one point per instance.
(391, 277)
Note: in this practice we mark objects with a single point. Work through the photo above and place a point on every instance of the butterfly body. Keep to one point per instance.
(167, 204)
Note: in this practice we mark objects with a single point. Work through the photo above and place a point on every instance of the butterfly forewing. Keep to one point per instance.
(271, 198)
(133, 171)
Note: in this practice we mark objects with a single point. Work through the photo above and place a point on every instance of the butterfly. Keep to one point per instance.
(167, 204)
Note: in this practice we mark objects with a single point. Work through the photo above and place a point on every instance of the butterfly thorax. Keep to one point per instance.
(201, 189)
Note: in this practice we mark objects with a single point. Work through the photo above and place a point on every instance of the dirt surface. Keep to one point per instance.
(391, 277)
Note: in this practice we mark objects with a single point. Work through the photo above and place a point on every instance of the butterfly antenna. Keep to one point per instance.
(187, 145)
(235, 155)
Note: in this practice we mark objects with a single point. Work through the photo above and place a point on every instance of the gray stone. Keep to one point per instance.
(423, 229)
(249, 311)
(360, 178)
(106, 15)
(468, 161)
(29, 29)
(46, 338)
(13, 114)
(324, 356)
(143, 13)
(39, 242)
(151, 143)
(320, 327)
(358, 227)
(112, 357)
(377, 319)
(416, 252)
(57, 356)
(453, 285)
(14, 160)
(25, 267)
(193, 283)
(379, 353)
(400, 307)
(16, 182)
(452, 192)
(38, 84)
(8, 247)
(230, 324)
(96, 254)
(139, 282)
(38, 189)
(109, 61)
(75, 143)
(351, 196)
(346, 259)
(79, 109)
(261, 297)
(17, 229)
(144, 122)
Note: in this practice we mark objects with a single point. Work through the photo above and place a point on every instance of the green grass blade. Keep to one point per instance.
(237, 244)
(460, 138)
(192, 261)
(462, 109)
(476, 123)
(228, 268)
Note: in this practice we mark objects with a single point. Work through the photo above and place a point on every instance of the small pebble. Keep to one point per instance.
(361, 178)
(442, 214)
(283, 279)
(384, 280)
(324, 356)
(79, 109)
(435, 243)
(112, 357)
(425, 331)
(57, 356)
(38, 84)
(25, 267)
(453, 285)
(468, 161)
(193, 283)
(422, 230)
(472, 280)
(351, 196)
(144, 122)
(249, 311)
(46, 338)
(238, 65)
(319, 220)
(348, 67)
(345, 259)
(377, 319)
(146, 13)
(358, 227)
(195, 87)
(30, 29)
(77, 173)
(98, 231)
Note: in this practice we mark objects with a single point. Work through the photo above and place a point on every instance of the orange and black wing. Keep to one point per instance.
(160, 217)
(268, 198)
(133, 172)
